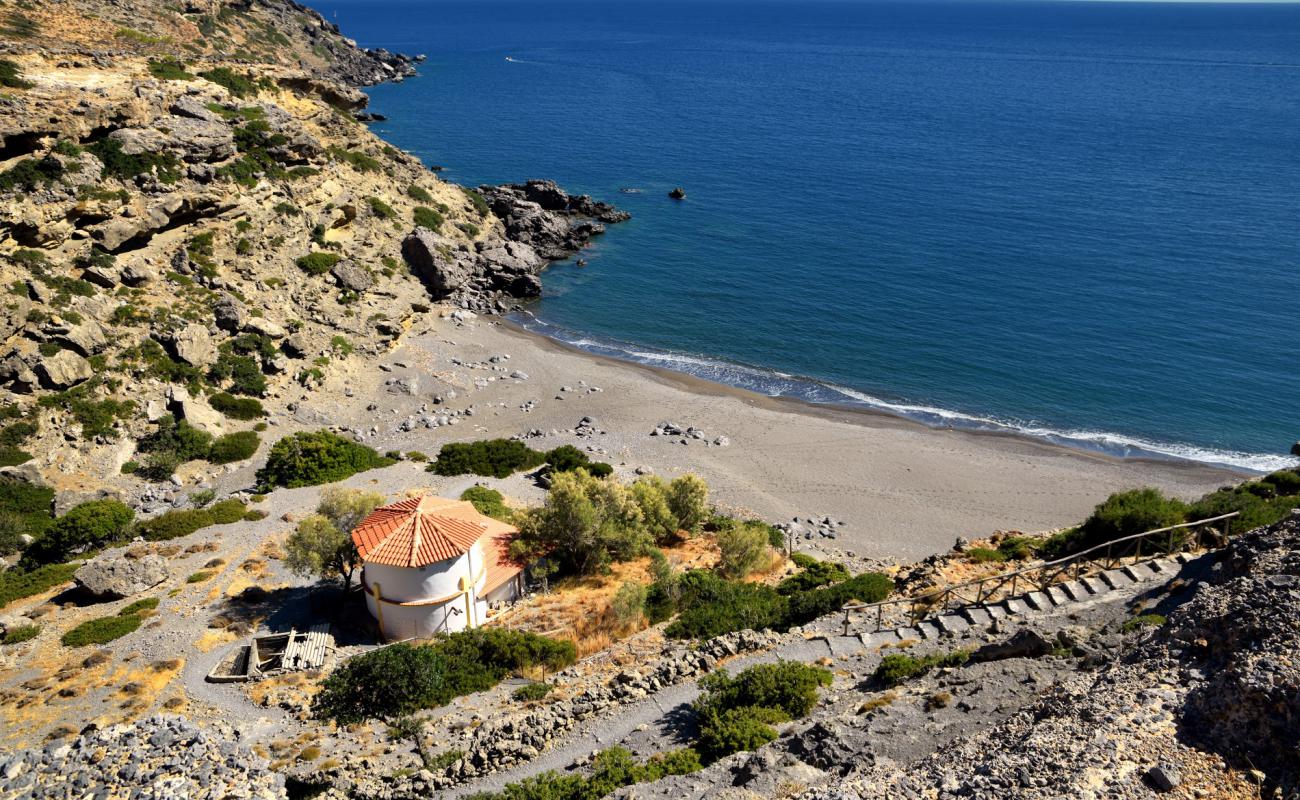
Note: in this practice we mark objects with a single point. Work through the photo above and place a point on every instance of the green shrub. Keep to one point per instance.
(101, 631)
(419, 193)
(200, 576)
(814, 574)
(428, 218)
(24, 509)
(177, 438)
(173, 524)
(742, 550)
(358, 161)
(145, 604)
(737, 730)
(402, 679)
(897, 668)
(20, 634)
(629, 602)
(226, 512)
(477, 201)
(236, 84)
(310, 458)
(982, 555)
(488, 502)
(242, 408)
(254, 515)
(11, 76)
(531, 691)
(611, 769)
(1143, 621)
(1122, 514)
(804, 607)
(318, 263)
(118, 164)
(380, 208)
(12, 456)
(18, 583)
(496, 458)
(234, 447)
(169, 69)
(85, 526)
(712, 606)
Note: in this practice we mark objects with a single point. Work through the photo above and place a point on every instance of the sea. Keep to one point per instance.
(1075, 220)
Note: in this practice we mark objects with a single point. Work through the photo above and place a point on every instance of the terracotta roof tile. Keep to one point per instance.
(421, 530)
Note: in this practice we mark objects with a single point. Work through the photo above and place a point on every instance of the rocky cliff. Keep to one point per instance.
(195, 211)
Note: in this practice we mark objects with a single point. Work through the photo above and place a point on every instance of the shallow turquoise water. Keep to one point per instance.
(1075, 219)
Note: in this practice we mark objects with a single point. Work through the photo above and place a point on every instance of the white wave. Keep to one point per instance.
(780, 384)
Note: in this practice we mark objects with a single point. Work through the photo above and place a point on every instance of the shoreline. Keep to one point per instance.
(867, 415)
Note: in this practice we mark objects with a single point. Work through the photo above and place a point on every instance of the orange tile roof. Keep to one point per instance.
(422, 530)
(500, 566)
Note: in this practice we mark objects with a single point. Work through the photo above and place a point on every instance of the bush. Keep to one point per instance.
(531, 691)
(169, 69)
(241, 408)
(318, 263)
(234, 447)
(173, 443)
(236, 84)
(380, 208)
(896, 668)
(122, 166)
(488, 502)
(713, 606)
(813, 575)
(629, 603)
(20, 634)
(983, 555)
(85, 526)
(139, 606)
(419, 193)
(737, 730)
(736, 713)
(101, 631)
(402, 679)
(428, 218)
(742, 550)
(1143, 621)
(182, 522)
(611, 769)
(315, 457)
(869, 587)
(688, 498)
(18, 583)
(497, 458)
(585, 524)
(11, 75)
(24, 509)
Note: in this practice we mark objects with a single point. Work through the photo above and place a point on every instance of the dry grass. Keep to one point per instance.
(578, 609)
(273, 549)
(878, 702)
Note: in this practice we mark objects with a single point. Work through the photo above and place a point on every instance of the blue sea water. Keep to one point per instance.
(1080, 220)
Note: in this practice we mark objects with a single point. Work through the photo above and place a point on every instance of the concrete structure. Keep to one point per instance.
(432, 565)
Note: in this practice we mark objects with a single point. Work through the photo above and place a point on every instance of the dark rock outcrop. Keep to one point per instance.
(542, 223)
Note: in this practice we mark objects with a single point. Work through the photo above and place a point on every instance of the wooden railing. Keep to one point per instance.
(1041, 576)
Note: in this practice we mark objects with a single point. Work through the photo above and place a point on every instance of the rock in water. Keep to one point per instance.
(1295, 449)
(678, 193)
(113, 576)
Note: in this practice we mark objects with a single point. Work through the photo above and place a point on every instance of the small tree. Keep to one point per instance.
(688, 497)
(412, 728)
(322, 543)
(743, 549)
(651, 494)
(629, 603)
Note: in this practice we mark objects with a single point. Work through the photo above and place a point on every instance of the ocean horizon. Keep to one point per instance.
(1074, 221)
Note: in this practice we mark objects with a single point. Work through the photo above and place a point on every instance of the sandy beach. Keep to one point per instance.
(902, 490)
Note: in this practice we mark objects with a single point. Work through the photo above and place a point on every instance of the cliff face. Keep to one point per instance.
(276, 32)
(196, 211)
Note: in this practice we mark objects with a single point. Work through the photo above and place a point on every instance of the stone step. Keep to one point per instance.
(1015, 606)
(1115, 578)
(928, 630)
(877, 640)
(1095, 584)
(952, 623)
(1039, 601)
(996, 611)
(1076, 591)
(1058, 595)
(844, 645)
(1183, 558)
(1138, 572)
(906, 634)
(977, 615)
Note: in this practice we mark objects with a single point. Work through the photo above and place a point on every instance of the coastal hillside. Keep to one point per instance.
(194, 225)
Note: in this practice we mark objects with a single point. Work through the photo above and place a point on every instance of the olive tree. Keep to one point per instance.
(322, 545)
